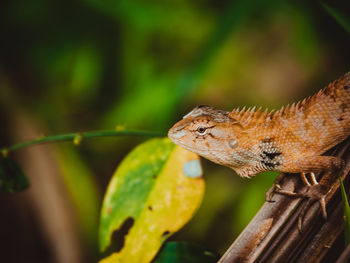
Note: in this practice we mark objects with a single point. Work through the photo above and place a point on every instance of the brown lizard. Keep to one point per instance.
(290, 140)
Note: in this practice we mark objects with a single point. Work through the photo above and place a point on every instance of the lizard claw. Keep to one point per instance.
(280, 190)
(306, 207)
(276, 188)
(270, 193)
(314, 193)
(318, 193)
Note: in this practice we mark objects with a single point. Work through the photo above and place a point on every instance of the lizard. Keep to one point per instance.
(290, 140)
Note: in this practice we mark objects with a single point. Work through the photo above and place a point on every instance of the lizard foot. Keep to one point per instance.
(315, 192)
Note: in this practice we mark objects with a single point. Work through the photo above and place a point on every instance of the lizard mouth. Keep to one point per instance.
(176, 140)
(176, 134)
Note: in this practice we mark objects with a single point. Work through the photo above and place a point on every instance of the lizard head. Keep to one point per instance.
(209, 132)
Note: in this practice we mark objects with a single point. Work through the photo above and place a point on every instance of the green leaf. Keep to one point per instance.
(154, 192)
(339, 17)
(12, 179)
(181, 252)
(346, 212)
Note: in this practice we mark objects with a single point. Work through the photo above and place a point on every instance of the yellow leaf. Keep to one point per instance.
(173, 199)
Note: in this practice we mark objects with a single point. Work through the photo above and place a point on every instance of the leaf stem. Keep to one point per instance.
(346, 212)
(78, 137)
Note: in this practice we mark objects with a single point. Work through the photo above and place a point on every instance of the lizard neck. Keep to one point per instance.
(259, 151)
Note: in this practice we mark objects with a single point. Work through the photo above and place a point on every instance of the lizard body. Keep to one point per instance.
(289, 140)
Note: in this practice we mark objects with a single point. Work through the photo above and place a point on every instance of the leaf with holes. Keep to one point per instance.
(154, 192)
(12, 178)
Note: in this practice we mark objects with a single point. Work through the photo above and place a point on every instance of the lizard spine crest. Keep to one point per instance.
(337, 91)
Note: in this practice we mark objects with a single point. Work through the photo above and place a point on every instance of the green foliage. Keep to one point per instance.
(164, 89)
(90, 64)
(12, 178)
(151, 195)
(252, 198)
(346, 212)
(181, 252)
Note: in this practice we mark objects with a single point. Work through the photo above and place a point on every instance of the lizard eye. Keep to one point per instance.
(201, 130)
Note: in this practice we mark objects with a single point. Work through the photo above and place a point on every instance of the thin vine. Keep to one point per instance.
(77, 138)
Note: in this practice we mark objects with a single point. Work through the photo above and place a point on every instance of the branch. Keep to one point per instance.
(273, 236)
(78, 137)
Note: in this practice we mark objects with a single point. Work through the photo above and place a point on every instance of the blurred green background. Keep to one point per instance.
(80, 65)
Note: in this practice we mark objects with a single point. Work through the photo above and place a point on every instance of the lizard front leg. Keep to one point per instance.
(316, 191)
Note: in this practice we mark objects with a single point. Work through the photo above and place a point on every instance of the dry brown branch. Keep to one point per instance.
(47, 195)
(273, 235)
